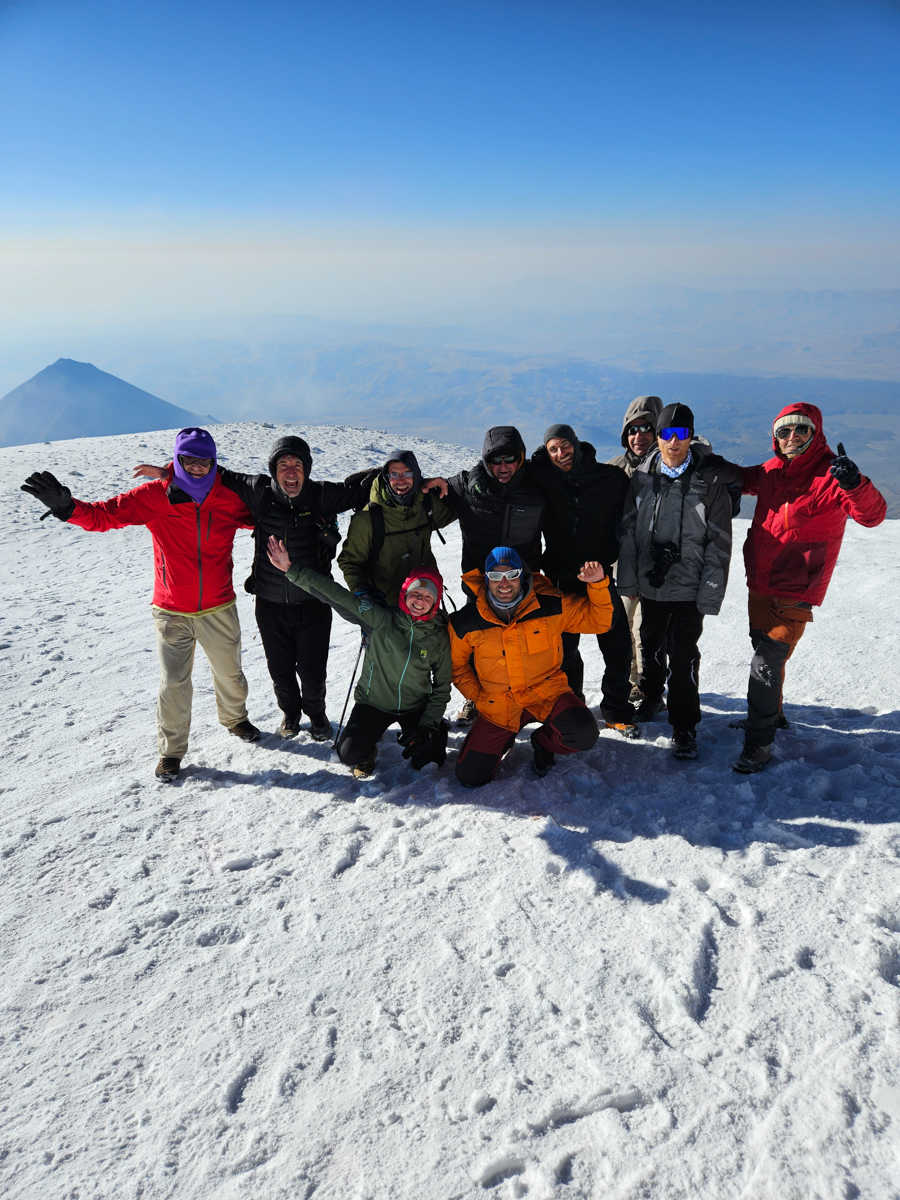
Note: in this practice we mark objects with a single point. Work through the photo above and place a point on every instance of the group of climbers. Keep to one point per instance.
(635, 551)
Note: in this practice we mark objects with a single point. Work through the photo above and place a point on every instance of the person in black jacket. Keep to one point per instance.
(295, 627)
(585, 500)
(498, 502)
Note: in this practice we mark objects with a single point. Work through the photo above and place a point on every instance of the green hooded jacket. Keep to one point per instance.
(406, 546)
(407, 662)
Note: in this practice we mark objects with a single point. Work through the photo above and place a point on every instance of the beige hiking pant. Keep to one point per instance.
(219, 633)
(632, 605)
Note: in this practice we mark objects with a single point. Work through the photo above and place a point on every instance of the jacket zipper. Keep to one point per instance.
(199, 563)
(405, 665)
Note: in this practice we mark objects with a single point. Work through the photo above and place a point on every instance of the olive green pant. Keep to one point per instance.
(219, 633)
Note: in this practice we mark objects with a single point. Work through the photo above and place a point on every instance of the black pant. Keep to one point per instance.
(295, 638)
(365, 727)
(615, 646)
(672, 628)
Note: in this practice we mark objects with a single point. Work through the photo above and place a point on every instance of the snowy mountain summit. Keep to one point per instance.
(632, 978)
(72, 399)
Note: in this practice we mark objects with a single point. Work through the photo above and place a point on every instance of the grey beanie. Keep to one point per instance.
(560, 431)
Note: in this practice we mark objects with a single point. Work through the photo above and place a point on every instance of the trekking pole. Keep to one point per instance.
(349, 690)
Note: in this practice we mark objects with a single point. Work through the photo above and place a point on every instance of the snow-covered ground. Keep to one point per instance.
(633, 978)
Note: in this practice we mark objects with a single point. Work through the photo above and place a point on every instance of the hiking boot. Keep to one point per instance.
(467, 713)
(649, 709)
(684, 744)
(245, 731)
(167, 768)
(319, 727)
(626, 729)
(752, 759)
(289, 727)
(365, 766)
(543, 759)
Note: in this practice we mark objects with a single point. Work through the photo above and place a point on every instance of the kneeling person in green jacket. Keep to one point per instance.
(406, 670)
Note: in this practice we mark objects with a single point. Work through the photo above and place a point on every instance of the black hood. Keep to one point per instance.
(502, 439)
(291, 445)
(409, 460)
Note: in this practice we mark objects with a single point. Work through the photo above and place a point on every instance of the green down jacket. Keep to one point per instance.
(406, 546)
(407, 662)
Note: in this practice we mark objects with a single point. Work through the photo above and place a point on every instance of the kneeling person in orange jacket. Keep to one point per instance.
(507, 658)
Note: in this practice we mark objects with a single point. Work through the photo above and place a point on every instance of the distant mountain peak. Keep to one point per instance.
(77, 399)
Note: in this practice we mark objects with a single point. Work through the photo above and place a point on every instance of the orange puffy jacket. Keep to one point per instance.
(507, 668)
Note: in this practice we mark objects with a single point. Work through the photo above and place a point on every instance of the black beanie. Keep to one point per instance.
(291, 445)
(675, 414)
(560, 431)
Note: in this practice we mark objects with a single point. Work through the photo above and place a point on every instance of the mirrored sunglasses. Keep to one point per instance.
(783, 432)
(496, 459)
(401, 475)
(633, 429)
(677, 431)
(508, 573)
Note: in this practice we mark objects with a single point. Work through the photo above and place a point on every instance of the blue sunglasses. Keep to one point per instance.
(677, 431)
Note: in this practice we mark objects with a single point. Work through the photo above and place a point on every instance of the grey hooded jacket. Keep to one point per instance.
(642, 408)
(692, 512)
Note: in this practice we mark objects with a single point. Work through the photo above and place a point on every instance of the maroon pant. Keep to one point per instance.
(569, 728)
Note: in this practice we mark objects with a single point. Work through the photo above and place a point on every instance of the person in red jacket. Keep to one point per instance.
(192, 518)
(804, 496)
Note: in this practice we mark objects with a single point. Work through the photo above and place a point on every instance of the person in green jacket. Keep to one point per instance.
(406, 670)
(391, 536)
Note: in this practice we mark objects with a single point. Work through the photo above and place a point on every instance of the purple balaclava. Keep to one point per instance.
(199, 444)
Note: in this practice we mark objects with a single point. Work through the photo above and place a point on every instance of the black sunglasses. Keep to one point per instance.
(632, 429)
(496, 459)
(783, 432)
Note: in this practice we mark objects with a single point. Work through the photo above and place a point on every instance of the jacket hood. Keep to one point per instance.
(502, 439)
(426, 575)
(409, 460)
(291, 445)
(196, 443)
(818, 444)
(642, 408)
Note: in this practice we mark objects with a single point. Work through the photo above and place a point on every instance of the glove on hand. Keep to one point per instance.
(423, 746)
(844, 471)
(47, 488)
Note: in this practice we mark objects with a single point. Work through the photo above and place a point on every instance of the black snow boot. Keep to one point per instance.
(543, 759)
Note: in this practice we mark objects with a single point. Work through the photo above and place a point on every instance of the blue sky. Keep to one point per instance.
(360, 156)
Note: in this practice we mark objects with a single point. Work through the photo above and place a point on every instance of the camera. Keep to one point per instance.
(664, 554)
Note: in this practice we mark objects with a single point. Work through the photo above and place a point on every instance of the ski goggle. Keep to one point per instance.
(506, 459)
(191, 460)
(677, 431)
(505, 573)
(633, 429)
(783, 432)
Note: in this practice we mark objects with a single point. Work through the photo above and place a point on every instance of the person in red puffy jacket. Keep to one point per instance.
(192, 518)
(804, 496)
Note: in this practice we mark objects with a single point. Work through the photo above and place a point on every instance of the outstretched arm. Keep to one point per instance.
(149, 471)
(55, 495)
(358, 609)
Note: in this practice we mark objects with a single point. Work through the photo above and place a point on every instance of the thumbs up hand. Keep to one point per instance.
(844, 470)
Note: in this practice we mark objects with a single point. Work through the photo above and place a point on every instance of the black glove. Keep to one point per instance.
(47, 488)
(426, 745)
(844, 470)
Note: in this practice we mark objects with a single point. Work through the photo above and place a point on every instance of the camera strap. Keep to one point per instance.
(683, 482)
